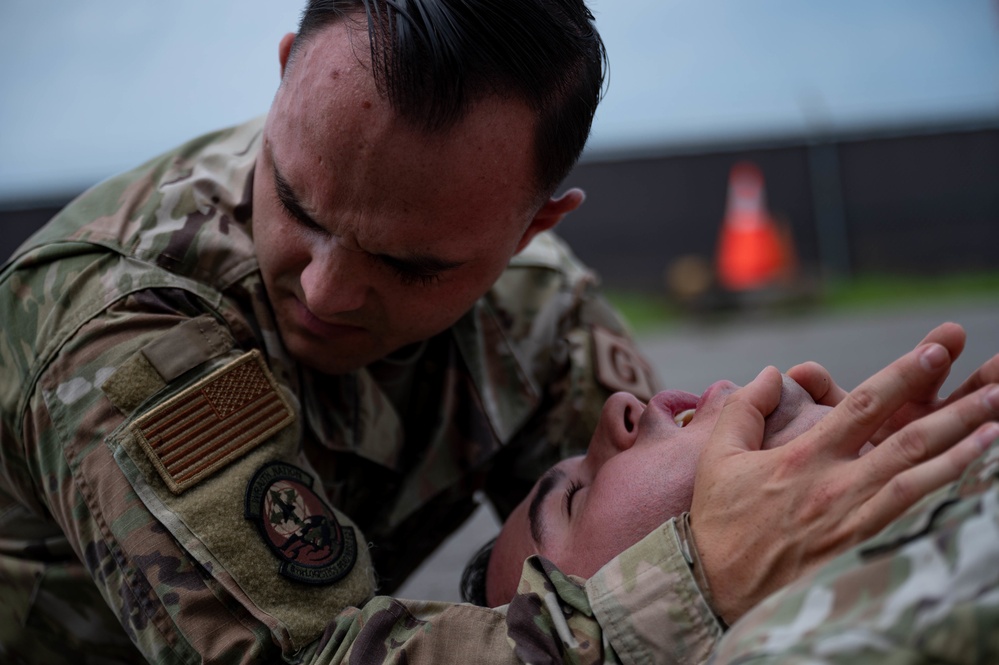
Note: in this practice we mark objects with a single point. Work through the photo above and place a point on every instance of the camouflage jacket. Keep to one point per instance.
(924, 590)
(175, 488)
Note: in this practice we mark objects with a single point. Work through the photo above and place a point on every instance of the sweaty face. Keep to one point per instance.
(637, 473)
(372, 234)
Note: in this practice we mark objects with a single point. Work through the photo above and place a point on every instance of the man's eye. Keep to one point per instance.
(312, 226)
(409, 278)
(409, 274)
(308, 223)
(296, 215)
(570, 492)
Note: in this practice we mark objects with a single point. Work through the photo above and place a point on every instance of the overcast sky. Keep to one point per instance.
(94, 87)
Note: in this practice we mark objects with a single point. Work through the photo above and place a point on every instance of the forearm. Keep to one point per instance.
(921, 591)
(642, 607)
(649, 604)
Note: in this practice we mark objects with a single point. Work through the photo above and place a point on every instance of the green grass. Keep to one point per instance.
(649, 312)
(644, 311)
(888, 290)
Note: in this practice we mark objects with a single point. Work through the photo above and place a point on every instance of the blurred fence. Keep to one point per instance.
(923, 202)
(908, 202)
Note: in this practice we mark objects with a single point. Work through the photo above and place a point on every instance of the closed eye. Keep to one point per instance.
(570, 492)
(422, 269)
(290, 204)
(411, 274)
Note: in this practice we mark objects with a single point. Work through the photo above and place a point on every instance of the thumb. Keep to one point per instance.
(740, 424)
(817, 382)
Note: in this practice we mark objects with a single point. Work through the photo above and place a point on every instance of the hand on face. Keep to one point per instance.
(638, 472)
(761, 519)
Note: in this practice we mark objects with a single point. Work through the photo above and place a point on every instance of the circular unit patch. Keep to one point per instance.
(298, 526)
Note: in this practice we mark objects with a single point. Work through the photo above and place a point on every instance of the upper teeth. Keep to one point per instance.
(684, 417)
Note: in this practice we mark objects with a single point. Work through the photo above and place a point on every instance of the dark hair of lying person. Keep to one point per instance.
(473, 579)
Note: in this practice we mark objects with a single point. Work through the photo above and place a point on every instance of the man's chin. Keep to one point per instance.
(332, 359)
(795, 414)
(334, 367)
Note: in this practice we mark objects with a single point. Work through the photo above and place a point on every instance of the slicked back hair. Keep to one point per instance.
(433, 59)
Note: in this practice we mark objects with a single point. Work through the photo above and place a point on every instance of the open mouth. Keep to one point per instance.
(684, 417)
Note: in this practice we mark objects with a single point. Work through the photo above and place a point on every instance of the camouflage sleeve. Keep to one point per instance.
(650, 606)
(924, 590)
(549, 621)
(69, 467)
(643, 607)
(623, 615)
(184, 575)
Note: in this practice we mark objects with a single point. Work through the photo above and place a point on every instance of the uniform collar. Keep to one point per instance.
(508, 394)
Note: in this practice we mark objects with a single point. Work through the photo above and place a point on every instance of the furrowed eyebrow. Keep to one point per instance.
(417, 264)
(545, 487)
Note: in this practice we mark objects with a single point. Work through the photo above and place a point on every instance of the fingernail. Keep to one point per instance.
(762, 372)
(933, 357)
(987, 435)
(992, 398)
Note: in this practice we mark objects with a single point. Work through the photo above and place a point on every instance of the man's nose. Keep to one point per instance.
(333, 282)
(617, 429)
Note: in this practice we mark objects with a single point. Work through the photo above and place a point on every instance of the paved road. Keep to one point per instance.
(691, 357)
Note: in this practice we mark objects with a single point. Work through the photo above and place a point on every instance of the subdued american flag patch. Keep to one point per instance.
(214, 422)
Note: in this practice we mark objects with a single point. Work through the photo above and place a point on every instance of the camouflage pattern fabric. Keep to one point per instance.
(924, 590)
(133, 531)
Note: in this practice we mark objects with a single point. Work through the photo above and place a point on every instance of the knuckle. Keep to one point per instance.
(903, 492)
(972, 410)
(910, 445)
(864, 406)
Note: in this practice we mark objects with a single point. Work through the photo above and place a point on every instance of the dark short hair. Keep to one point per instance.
(433, 58)
(473, 578)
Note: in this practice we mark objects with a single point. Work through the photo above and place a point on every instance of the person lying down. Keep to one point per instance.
(642, 460)
(638, 472)
(926, 585)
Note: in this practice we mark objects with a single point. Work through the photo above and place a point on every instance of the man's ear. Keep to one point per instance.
(551, 213)
(284, 50)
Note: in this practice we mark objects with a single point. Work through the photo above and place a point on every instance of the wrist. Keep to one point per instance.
(688, 548)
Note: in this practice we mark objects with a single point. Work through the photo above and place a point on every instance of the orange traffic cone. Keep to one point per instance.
(751, 251)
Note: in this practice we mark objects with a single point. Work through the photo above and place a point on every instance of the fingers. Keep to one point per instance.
(740, 424)
(984, 375)
(818, 383)
(862, 411)
(932, 435)
(906, 488)
(952, 337)
(815, 379)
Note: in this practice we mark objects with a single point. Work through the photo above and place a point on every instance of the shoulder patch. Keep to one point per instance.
(190, 344)
(298, 527)
(620, 366)
(213, 422)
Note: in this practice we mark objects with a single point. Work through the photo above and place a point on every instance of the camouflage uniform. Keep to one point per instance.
(924, 590)
(174, 485)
